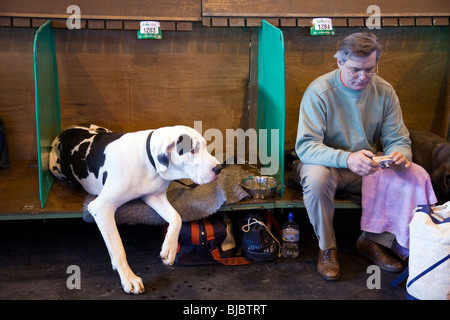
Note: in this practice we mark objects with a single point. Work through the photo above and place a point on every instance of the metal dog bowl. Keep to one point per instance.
(261, 187)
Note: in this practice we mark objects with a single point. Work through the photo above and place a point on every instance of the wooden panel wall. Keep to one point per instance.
(17, 92)
(179, 14)
(173, 10)
(345, 13)
(112, 14)
(314, 8)
(113, 79)
(194, 10)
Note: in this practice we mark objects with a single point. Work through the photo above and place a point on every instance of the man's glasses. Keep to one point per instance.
(356, 73)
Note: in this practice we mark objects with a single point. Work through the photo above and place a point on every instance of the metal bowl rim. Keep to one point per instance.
(262, 188)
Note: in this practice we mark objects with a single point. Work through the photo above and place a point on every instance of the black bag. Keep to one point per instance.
(200, 242)
(258, 243)
(4, 154)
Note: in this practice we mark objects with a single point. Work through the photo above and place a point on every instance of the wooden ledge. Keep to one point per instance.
(19, 195)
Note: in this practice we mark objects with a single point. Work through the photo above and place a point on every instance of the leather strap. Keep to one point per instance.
(236, 261)
(209, 230)
(195, 232)
(215, 250)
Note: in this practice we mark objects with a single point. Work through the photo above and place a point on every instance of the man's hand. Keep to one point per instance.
(361, 162)
(399, 162)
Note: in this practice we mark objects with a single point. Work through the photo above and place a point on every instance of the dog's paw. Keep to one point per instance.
(133, 284)
(168, 253)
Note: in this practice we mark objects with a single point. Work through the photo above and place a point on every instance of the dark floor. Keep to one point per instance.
(35, 256)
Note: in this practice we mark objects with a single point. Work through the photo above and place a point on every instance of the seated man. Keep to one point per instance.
(343, 114)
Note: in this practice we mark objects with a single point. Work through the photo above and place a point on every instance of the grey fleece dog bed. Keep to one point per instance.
(191, 203)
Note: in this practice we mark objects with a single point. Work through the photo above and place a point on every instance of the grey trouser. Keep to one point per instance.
(319, 188)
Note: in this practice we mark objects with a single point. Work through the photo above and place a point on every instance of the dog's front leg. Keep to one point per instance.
(104, 217)
(163, 207)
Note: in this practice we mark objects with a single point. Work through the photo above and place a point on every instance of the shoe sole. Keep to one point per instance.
(329, 279)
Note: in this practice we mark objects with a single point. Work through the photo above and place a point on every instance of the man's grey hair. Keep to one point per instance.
(361, 44)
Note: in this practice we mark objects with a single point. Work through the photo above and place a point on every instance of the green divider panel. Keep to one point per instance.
(48, 122)
(271, 99)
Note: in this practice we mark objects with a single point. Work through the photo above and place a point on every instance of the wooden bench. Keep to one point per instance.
(19, 197)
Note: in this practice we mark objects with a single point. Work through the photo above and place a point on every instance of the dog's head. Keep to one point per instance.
(180, 152)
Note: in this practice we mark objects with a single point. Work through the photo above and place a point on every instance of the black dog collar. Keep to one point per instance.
(149, 153)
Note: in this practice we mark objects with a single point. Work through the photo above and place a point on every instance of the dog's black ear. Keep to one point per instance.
(163, 159)
(163, 151)
(184, 144)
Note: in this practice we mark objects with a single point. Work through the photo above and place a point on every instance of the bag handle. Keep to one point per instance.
(195, 232)
(215, 252)
(209, 230)
(251, 221)
(439, 214)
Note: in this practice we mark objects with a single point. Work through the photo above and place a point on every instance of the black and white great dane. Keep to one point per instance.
(119, 167)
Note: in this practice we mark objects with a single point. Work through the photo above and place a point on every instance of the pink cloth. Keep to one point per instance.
(389, 198)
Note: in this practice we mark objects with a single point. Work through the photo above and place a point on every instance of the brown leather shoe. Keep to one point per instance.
(377, 254)
(328, 265)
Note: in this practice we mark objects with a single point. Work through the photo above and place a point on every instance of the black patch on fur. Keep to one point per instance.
(96, 157)
(69, 139)
(81, 162)
(163, 159)
(105, 175)
(78, 161)
(184, 144)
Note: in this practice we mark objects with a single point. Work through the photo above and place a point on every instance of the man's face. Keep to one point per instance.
(357, 72)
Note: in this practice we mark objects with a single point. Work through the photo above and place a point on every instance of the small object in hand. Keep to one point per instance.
(384, 161)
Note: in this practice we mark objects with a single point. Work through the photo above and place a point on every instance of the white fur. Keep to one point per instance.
(131, 175)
